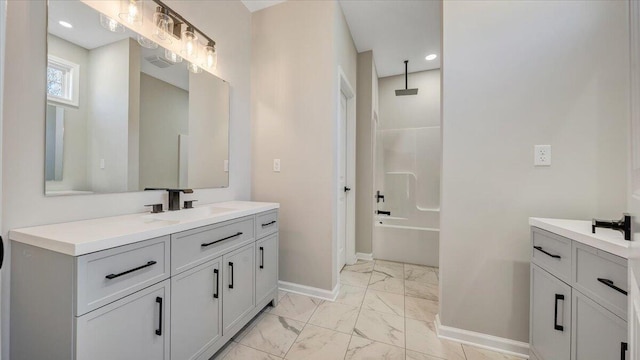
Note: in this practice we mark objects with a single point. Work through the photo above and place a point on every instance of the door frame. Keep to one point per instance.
(345, 87)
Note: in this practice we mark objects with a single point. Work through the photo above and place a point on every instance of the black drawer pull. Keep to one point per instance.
(610, 284)
(269, 223)
(261, 257)
(223, 239)
(555, 313)
(113, 276)
(217, 293)
(159, 329)
(623, 350)
(539, 248)
(231, 280)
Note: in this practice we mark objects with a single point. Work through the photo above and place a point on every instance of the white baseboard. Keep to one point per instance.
(323, 294)
(364, 256)
(484, 341)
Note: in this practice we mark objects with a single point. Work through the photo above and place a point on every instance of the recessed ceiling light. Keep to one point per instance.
(65, 24)
(431, 57)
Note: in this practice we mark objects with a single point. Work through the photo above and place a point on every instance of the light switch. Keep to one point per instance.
(101, 163)
(226, 165)
(542, 155)
(276, 165)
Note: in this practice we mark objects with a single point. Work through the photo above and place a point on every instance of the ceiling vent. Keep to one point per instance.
(158, 61)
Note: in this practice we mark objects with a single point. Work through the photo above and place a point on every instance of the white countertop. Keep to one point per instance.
(87, 236)
(608, 240)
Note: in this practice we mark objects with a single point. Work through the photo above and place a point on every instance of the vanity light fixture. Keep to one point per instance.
(147, 43)
(65, 24)
(163, 25)
(110, 24)
(172, 56)
(194, 68)
(431, 57)
(189, 42)
(131, 11)
(210, 55)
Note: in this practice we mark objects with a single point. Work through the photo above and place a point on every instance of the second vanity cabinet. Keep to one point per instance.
(578, 301)
(176, 297)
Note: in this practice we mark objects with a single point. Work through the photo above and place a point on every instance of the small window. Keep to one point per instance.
(62, 81)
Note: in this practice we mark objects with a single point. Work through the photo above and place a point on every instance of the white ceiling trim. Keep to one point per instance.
(256, 5)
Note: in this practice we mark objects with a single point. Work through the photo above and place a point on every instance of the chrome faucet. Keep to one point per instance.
(174, 196)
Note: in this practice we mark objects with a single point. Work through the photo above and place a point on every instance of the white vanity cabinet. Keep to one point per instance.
(578, 300)
(180, 296)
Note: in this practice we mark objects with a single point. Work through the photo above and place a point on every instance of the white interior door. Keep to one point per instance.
(342, 182)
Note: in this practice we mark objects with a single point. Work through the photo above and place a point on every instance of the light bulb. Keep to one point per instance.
(210, 56)
(163, 25)
(431, 57)
(194, 68)
(190, 43)
(110, 24)
(171, 56)
(131, 11)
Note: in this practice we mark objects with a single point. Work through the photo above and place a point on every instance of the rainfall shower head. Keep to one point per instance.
(406, 90)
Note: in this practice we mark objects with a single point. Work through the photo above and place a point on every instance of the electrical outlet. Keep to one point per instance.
(276, 165)
(542, 155)
(102, 165)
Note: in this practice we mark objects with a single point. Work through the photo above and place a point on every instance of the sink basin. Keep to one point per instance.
(188, 214)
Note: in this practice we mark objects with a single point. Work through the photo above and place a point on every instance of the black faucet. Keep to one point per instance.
(623, 225)
(174, 196)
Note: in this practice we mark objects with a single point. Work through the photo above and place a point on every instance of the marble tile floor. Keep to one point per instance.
(385, 310)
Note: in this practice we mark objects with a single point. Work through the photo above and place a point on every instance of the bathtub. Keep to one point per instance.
(413, 240)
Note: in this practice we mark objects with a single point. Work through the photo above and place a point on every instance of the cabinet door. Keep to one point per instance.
(133, 328)
(238, 285)
(598, 334)
(550, 318)
(196, 310)
(266, 267)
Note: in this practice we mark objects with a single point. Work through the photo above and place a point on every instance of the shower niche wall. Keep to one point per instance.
(407, 170)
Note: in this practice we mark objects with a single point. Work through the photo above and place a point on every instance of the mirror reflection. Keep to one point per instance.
(123, 117)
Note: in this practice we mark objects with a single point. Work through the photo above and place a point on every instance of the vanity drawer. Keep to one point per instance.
(194, 247)
(106, 276)
(602, 277)
(552, 253)
(266, 223)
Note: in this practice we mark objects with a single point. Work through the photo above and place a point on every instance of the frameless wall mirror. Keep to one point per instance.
(124, 117)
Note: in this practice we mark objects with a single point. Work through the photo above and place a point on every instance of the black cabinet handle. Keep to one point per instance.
(217, 293)
(610, 284)
(223, 239)
(261, 257)
(231, 281)
(555, 314)
(113, 276)
(347, 189)
(539, 248)
(623, 350)
(269, 223)
(159, 329)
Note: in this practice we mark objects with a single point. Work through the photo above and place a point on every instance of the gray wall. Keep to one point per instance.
(297, 47)
(164, 113)
(365, 135)
(516, 74)
(23, 201)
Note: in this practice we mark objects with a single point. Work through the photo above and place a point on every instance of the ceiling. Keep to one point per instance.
(89, 34)
(396, 30)
(255, 5)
